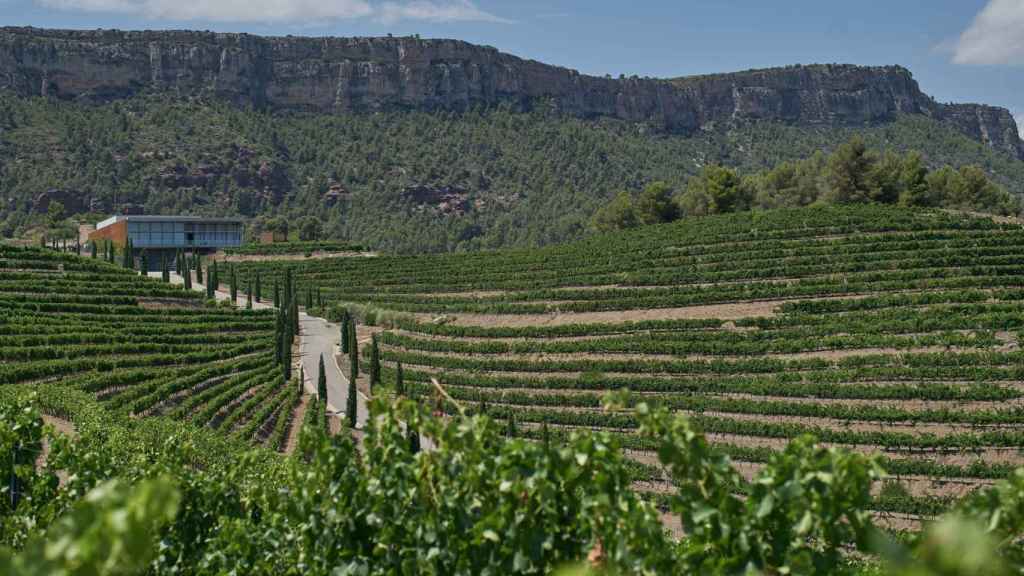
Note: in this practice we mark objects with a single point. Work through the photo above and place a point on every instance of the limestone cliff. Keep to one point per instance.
(359, 74)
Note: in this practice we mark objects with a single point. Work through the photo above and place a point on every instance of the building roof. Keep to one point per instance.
(157, 218)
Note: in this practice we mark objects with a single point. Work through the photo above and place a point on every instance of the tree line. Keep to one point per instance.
(853, 174)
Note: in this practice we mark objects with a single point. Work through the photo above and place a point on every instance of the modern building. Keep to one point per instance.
(165, 235)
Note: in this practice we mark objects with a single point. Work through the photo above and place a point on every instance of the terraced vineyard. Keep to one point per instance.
(880, 329)
(140, 346)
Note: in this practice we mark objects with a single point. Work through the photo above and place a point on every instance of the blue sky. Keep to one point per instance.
(959, 50)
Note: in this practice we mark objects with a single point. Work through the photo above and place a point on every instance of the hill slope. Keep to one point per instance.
(467, 147)
(403, 181)
(881, 329)
(348, 74)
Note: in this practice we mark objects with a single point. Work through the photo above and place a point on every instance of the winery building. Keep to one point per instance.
(167, 234)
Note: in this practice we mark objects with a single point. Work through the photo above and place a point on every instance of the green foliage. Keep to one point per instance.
(112, 530)
(529, 179)
(853, 174)
(477, 503)
(619, 214)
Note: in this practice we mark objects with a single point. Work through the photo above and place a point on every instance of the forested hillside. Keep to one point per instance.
(399, 181)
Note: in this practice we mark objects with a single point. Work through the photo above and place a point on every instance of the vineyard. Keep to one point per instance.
(140, 347)
(886, 331)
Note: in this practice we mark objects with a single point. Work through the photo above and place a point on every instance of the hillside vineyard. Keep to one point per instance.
(882, 330)
(141, 347)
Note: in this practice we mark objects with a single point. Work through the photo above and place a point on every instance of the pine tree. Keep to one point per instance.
(399, 380)
(321, 381)
(259, 287)
(352, 405)
(374, 362)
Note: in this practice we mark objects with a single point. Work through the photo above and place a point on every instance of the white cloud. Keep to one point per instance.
(996, 36)
(450, 11)
(1019, 118)
(282, 11)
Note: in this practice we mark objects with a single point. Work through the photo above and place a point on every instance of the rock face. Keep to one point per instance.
(370, 74)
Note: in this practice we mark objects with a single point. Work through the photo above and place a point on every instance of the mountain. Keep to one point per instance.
(359, 74)
(465, 147)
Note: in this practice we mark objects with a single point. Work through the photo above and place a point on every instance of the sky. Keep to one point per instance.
(958, 50)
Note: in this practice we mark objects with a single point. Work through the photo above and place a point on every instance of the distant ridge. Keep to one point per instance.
(370, 74)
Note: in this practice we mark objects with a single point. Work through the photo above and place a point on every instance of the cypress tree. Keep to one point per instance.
(344, 331)
(259, 287)
(248, 295)
(302, 379)
(234, 286)
(278, 338)
(353, 354)
(92, 248)
(199, 269)
(42, 241)
(185, 275)
(352, 405)
(374, 362)
(165, 271)
(414, 435)
(399, 380)
(144, 263)
(319, 299)
(321, 380)
(78, 247)
(295, 317)
(211, 276)
(126, 255)
(277, 294)
(510, 425)
(289, 337)
(309, 298)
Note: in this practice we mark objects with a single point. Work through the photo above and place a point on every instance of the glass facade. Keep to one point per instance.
(165, 234)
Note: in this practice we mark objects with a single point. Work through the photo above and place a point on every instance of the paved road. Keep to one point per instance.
(316, 336)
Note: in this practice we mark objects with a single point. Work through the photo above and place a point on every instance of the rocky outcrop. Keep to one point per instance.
(369, 74)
